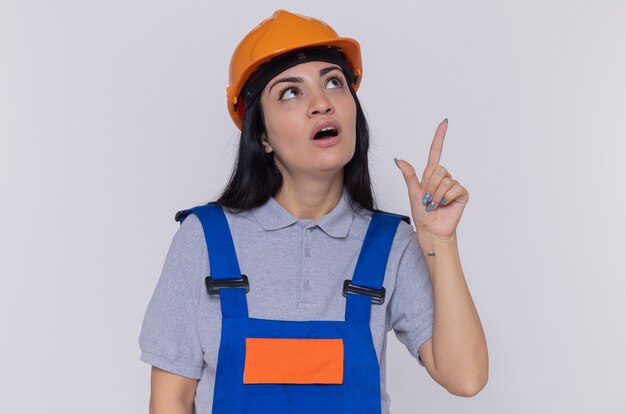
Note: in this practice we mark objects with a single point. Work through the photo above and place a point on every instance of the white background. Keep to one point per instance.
(113, 117)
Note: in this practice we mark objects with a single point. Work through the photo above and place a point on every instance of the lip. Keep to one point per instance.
(326, 142)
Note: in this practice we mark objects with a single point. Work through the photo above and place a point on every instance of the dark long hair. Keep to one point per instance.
(255, 177)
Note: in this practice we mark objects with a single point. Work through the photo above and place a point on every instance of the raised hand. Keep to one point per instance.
(437, 201)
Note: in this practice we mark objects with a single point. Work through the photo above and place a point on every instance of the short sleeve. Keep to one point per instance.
(169, 336)
(411, 305)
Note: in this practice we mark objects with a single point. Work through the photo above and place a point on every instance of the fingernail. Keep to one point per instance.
(396, 161)
(442, 202)
(426, 198)
(430, 206)
(445, 120)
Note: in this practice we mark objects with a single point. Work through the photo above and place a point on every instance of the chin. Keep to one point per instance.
(332, 166)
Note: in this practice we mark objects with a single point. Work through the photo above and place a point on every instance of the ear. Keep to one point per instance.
(266, 144)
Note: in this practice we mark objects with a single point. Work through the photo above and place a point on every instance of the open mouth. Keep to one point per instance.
(326, 132)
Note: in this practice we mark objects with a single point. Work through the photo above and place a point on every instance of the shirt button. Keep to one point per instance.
(307, 251)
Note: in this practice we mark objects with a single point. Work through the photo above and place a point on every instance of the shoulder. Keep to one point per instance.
(188, 244)
(190, 228)
(405, 231)
(233, 217)
(190, 236)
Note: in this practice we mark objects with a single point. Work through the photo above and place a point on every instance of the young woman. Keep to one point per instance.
(278, 296)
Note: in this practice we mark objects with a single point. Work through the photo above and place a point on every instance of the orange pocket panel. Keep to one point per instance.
(293, 361)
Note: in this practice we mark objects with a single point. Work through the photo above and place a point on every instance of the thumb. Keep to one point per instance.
(412, 181)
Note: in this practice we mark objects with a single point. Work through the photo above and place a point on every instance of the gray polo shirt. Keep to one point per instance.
(296, 270)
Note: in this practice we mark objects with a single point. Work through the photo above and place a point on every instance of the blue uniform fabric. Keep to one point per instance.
(360, 390)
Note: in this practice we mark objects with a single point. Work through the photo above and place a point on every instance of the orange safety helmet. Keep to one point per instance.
(281, 33)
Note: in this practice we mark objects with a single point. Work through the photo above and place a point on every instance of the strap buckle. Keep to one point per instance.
(378, 296)
(213, 286)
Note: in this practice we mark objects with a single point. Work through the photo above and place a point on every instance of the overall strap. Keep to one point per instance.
(225, 276)
(367, 281)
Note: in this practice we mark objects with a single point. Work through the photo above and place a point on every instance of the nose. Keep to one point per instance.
(320, 104)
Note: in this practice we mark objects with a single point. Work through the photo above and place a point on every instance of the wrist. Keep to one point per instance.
(435, 238)
(437, 249)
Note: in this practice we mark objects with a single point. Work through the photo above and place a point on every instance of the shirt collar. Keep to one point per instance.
(336, 223)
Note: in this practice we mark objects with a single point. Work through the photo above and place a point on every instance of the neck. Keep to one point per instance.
(308, 198)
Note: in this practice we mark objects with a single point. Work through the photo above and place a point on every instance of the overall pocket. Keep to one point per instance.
(293, 375)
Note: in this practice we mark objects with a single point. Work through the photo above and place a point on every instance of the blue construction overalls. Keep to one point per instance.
(264, 366)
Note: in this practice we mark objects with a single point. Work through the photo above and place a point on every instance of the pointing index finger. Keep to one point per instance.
(437, 145)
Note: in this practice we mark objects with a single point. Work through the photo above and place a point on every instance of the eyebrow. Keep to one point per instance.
(298, 79)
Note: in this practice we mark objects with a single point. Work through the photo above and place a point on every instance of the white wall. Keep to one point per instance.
(113, 117)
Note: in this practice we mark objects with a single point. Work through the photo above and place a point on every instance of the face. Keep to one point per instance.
(299, 103)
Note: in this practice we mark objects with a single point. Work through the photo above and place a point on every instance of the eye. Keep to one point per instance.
(287, 93)
(335, 82)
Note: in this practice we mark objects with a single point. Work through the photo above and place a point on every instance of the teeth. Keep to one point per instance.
(328, 129)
